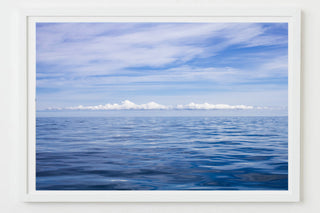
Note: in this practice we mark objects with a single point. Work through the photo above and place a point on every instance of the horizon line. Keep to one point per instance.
(128, 105)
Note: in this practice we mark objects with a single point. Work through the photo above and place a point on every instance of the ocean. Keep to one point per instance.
(162, 153)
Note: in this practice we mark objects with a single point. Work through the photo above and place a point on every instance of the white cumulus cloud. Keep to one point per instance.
(124, 105)
(128, 105)
(212, 106)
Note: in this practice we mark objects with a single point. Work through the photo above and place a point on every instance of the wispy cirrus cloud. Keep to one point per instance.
(134, 45)
(89, 63)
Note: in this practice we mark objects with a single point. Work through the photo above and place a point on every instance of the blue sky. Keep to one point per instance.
(161, 65)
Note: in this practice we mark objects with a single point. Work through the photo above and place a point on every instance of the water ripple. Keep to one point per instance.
(162, 153)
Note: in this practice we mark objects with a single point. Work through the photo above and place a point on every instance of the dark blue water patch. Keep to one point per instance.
(162, 153)
(255, 150)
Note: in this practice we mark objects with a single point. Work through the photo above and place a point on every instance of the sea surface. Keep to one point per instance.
(162, 153)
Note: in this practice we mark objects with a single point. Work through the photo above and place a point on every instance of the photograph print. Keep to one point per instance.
(161, 106)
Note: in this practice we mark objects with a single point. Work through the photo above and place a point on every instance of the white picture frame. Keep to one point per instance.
(28, 84)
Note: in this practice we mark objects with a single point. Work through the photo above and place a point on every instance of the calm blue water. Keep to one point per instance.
(162, 153)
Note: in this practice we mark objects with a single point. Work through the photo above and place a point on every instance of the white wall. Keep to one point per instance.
(9, 144)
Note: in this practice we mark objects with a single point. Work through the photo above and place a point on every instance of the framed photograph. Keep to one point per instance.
(160, 105)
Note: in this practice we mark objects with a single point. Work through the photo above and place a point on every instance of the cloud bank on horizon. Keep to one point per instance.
(237, 64)
(128, 105)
